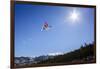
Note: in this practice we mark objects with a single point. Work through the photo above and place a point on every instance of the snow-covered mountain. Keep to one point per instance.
(30, 60)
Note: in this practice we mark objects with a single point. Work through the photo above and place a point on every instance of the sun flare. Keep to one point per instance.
(74, 15)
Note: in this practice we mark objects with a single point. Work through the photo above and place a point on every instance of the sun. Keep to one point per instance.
(74, 15)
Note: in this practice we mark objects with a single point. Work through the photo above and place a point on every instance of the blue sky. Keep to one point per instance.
(64, 35)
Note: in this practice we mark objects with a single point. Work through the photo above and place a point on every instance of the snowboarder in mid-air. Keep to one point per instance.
(45, 26)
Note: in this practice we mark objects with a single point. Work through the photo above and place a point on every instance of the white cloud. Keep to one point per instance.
(57, 53)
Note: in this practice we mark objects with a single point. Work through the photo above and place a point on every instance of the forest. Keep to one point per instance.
(85, 54)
